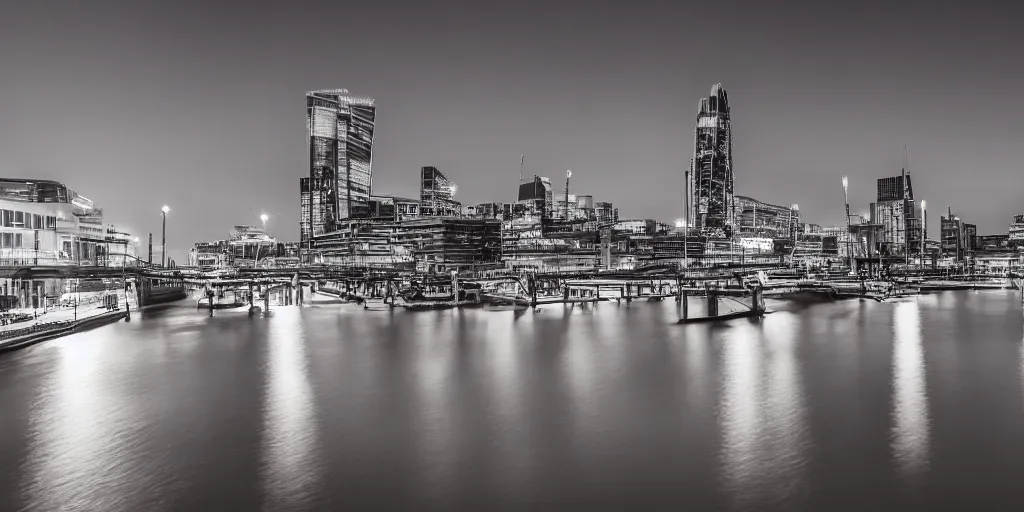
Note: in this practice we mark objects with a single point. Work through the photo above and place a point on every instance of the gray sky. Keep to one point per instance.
(199, 105)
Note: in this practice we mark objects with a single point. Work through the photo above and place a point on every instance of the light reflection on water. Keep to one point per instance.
(291, 441)
(911, 424)
(763, 413)
(612, 406)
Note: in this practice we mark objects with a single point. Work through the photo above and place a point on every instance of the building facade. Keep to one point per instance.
(758, 219)
(895, 211)
(1016, 231)
(537, 196)
(44, 222)
(305, 218)
(340, 147)
(437, 194)
(711, 179)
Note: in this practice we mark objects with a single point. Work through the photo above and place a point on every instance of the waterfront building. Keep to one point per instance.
(526, 246)
(340, 148)
(246, 247)
(437, 194)
(755, 218)
(1016, 231)
(443, 244)
(45, 223)
(711, 179)
(424, 243)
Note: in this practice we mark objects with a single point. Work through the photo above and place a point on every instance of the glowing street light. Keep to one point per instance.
(264, 217)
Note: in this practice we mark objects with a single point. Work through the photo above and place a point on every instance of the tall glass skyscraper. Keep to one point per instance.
(340, 144)
(711, 182)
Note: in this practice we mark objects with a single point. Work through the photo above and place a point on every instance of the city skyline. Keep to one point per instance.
(208, 125)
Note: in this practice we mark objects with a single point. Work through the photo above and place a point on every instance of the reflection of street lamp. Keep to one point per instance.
(163, 238)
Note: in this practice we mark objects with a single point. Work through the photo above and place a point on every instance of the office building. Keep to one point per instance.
(896, 213)
(437, 194)
(538, 197)
(758, 219)
(340, 146)
(711, 179)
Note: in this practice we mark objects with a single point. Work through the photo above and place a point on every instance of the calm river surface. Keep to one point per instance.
(914, 405)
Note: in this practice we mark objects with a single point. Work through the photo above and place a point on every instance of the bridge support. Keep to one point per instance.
(712, 303)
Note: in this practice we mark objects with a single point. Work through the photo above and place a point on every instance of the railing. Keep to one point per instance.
(38, 327)
(27, 257)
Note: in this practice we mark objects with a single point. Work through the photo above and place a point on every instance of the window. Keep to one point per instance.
(19, 219)
(7, 220)
(8, 240)
(51, 222)
(37, 222)
(17, 240)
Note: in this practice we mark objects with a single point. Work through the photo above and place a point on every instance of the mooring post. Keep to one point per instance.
(684, 304)
(629, 292)
(712, 303)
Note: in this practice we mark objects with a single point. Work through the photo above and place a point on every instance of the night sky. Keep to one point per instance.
(200, 105)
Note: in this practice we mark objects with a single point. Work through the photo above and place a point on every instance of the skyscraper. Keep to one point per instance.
(340, 144)
(711, 181)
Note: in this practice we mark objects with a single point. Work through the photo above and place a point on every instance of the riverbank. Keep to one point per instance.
(43, 331)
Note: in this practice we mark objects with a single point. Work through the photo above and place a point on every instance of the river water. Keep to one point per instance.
(853, 405)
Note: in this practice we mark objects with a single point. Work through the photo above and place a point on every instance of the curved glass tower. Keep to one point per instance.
(340, 143)
(711, 182)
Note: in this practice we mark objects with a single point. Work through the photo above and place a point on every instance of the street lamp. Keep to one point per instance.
(163, 238)
(259, 243)
(849, 233)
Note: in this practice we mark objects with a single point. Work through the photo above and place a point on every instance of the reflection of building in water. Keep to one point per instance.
(291, 441)
(911, 424)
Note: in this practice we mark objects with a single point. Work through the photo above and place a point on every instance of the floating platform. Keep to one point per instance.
(721, 318)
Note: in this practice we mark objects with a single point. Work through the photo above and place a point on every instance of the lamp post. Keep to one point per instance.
(136, 240)
(259, 244)
(163, 238)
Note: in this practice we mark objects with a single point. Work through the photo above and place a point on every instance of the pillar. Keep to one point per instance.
(712, 303)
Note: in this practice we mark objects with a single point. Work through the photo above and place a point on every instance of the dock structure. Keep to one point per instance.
(702, 293)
